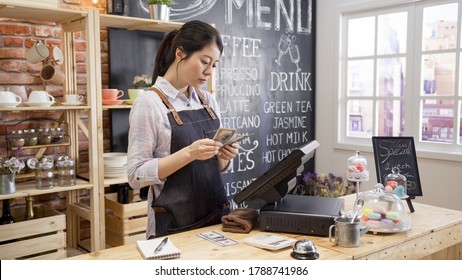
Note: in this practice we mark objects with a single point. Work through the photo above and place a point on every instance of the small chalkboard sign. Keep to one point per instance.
(398, 152)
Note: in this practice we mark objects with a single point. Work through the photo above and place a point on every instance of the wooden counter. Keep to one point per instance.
(436, 233)
(193, 247)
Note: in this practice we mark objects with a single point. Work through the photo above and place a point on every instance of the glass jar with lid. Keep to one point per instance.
(357, 170)
(31, 138)
(396, 183)
(44, 175)
(65, 169)
(44, 136)
(382, 211)
(57, 135)
(16, 139)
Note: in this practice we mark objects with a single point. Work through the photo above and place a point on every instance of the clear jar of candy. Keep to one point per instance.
(396, 183)
(382, 211)
(357, 170)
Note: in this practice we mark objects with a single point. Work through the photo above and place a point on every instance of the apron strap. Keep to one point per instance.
(206, 104)
(172, 110)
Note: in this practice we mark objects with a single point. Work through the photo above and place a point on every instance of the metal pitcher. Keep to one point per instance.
(347, 233)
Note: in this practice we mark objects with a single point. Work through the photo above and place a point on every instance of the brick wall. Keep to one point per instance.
(16, 37)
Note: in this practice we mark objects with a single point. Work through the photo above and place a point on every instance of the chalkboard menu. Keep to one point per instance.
(398, 152)
(265, 77)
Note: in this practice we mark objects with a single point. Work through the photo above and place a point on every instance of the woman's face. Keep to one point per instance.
(196, 69)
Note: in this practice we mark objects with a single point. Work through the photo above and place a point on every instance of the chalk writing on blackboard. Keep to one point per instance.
(390, 152)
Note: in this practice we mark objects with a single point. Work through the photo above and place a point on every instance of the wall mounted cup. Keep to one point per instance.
(56, 55)
(38, 52)
(52, 74)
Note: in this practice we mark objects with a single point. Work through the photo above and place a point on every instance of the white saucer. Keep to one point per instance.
(70, 104)
(39, 104)
(9, 104)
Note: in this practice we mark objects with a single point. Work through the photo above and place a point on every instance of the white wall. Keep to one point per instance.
(441, 179)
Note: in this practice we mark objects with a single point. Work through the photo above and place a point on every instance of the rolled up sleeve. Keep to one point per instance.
(148, 140)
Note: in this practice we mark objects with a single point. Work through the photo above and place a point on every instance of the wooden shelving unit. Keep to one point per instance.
(70, 21)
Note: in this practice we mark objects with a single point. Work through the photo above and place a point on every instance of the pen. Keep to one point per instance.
(161, 245)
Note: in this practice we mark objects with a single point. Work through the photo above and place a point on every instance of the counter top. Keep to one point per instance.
(193, 247)
(436, 233)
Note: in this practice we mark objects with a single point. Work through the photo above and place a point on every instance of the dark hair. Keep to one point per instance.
(192, 37)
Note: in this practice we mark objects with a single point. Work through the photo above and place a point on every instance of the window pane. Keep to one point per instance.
(360, 118)
(438, 74)
(361, 36)
(390, 118)
(437, 120)
(392, 33)
(460, 123)
(390, 72)
(360, 77)
(440, 27)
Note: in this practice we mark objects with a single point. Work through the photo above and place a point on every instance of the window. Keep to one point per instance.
(401, 75)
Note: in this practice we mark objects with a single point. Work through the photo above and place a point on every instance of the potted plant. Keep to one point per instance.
(143, 81)
(325, 185)
(160, 9)
(8, 169)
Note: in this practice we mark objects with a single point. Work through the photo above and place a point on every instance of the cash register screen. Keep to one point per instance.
(274, 183)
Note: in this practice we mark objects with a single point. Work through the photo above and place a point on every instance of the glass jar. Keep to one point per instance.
(31, 138)
(44, 136)
(396, 183)
(57, 135)
(44, 175)
(357, 170)
(382, 211)
(65, 170)
(17, 139)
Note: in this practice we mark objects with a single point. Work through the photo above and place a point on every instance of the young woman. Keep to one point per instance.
(170, 137)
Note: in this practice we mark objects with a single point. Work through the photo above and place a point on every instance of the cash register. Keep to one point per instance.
(283, 212)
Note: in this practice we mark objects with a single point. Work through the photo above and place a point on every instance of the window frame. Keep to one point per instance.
(412, 79)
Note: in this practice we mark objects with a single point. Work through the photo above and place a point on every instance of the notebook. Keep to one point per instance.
(147, 247)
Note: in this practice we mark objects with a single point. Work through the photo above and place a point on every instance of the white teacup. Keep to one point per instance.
(73, 98)
(40, 96)
(9, 97)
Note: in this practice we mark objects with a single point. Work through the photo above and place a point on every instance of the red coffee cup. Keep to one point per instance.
(112, 94)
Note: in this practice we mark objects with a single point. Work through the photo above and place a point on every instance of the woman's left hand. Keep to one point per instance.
(228, 152)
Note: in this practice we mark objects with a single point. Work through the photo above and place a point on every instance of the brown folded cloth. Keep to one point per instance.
(240, 220)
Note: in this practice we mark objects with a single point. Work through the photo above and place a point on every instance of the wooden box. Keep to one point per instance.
(125, 223)
(40, 238)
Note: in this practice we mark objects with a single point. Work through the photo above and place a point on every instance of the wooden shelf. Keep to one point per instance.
(28, 188)
(57, 107)
(110, 107)
(135, 23)
(115, 181)
(11, 9)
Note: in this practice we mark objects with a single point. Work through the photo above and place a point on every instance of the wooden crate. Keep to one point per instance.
(40, 238)
(125, 223)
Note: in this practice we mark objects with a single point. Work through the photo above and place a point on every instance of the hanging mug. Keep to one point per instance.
(52, 73)
(56, 55)
(38, 52)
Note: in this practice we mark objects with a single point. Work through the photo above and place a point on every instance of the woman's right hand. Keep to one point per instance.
(204, 149)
